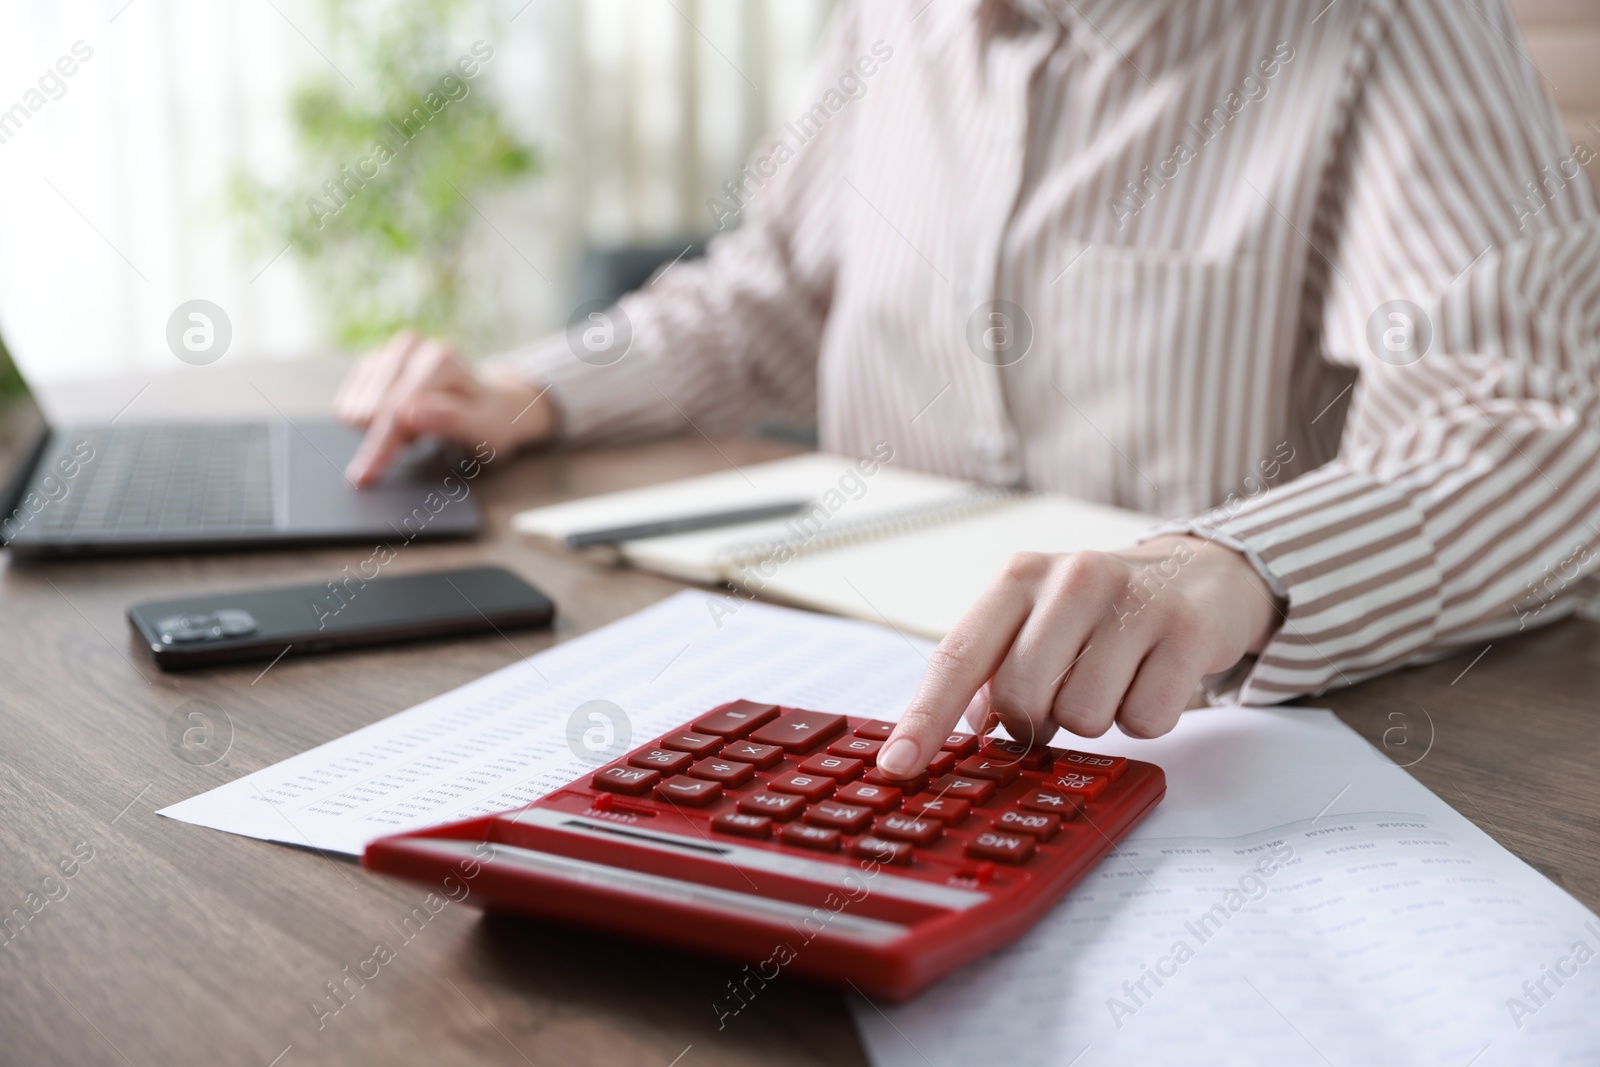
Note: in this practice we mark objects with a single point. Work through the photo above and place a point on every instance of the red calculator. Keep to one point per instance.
(765, 834)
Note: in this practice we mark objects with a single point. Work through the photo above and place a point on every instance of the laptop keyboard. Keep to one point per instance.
(148, 479)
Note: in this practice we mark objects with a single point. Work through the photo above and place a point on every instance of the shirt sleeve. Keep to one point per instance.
(717, 342)
(1464, 502)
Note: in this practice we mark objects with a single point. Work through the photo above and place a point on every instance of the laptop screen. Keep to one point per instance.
(21, 422)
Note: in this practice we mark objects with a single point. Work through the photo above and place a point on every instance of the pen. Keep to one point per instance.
(660, 527)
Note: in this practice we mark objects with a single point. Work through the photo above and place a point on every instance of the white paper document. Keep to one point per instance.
(514, 735)
(1295, 899)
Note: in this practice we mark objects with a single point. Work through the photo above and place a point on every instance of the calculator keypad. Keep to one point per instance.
(660, 759)
(736, 719)
(799, 731)
(695, 792)
(786, 778)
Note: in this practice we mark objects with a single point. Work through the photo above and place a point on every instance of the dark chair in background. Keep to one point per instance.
(607, 273)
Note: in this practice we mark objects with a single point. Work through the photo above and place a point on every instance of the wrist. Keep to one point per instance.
(530, 413)
(1248, 592)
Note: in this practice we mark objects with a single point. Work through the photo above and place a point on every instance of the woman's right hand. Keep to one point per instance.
(415, 386)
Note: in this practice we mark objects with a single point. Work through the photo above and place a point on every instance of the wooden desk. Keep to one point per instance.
(177, 945)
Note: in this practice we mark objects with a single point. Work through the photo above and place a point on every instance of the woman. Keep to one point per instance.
(1319, 282)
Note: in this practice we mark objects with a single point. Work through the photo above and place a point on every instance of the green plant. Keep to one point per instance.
(11, 383)
(392, 146)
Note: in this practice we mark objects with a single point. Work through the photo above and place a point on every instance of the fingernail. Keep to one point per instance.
(898, 758)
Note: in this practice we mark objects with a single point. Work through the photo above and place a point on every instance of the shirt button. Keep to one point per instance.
(996, 456)
(989, 446)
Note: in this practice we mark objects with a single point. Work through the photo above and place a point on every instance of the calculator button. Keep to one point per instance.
(1087, 786)
(660, 759)
(992, 769)
(841, 768)
(860, 747)
(1110, 766)
(880, 798)
(963, 745)
(811, 786)
(977, 790)
(1050, 803)
(1006, 848)
(948, 810)
(1032, 823)
(730, 822)
(634, 781)
(907, 828)
(915, 784)
(694, 792)
(817, 837)
(836, 816)
(800, 731)
(762, 756)
(735, 719)
(725, 771)
(877, 731)
(697, 745)
(876, 848)
(780, 807)
(942, 763)
(1028, 757)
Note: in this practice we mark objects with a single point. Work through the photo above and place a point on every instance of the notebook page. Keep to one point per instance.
(1296, 898)
(921, 581)
(514, 735)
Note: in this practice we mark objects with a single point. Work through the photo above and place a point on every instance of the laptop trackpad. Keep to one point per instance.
(420, 495)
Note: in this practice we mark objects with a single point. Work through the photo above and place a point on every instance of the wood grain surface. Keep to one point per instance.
(168, 944)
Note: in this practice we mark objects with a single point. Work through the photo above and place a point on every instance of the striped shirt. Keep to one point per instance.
(1321, 281)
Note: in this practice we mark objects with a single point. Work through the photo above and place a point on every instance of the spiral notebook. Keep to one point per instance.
(880, 543)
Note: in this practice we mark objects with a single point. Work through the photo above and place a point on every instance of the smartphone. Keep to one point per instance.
(346, 612)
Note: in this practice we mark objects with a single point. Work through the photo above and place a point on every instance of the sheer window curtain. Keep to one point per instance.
(113, 176)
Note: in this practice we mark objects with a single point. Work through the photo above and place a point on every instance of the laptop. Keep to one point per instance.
(187, 486)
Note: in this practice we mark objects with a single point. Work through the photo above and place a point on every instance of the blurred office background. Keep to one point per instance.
(117, 194)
